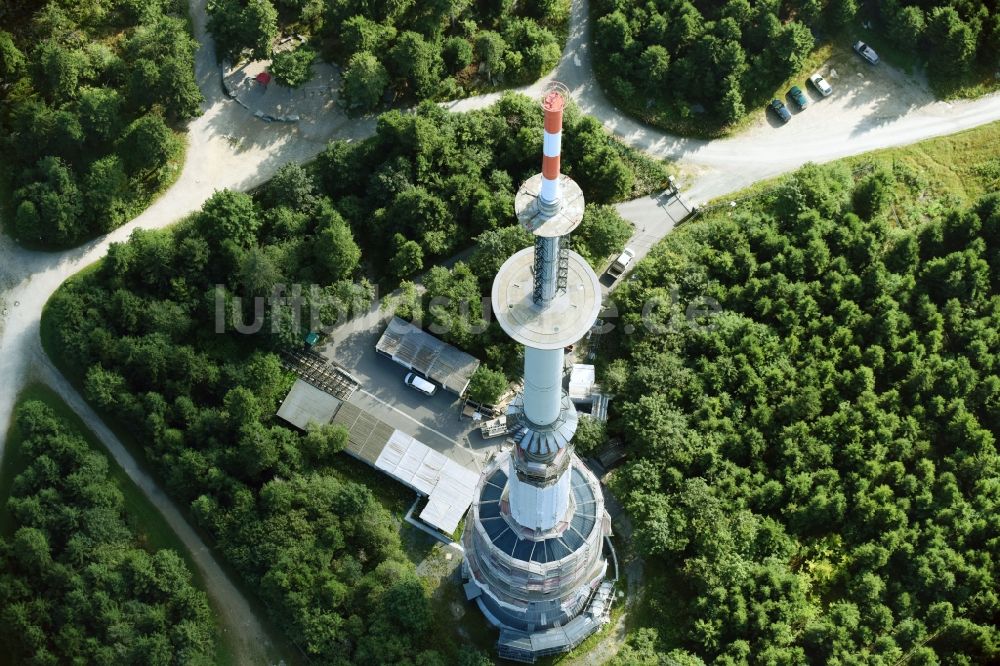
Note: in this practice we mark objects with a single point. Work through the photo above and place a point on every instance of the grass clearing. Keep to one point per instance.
(931, 174)
(152, 531)
(964, 165)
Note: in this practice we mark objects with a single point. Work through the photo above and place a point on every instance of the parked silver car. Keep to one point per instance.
(866, 52)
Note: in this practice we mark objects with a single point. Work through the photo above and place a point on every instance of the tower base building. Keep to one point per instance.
(527, 582)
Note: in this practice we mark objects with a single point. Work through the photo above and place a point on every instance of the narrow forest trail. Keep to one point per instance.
(228, 148)
(215, 160)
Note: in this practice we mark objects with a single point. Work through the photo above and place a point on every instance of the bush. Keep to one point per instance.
(365, 81)
(146, 146)
(590, 435)
(293, 68)
(457, 54)
(487, 385)
(602, 233)
(408, 257)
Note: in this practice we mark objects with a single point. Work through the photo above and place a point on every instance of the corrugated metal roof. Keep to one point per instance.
(366, 435)
(449, 487)
(417, 349)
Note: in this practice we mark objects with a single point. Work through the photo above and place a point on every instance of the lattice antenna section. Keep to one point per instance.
(562, 274)
(538, 271)
(550, 271)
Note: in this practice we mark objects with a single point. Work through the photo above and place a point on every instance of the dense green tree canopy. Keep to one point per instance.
(960, 41)
(814, 475)
(416, 50)
(76, 585)
(243, 26)
(438, 179)
(72, 96)
(699, 66)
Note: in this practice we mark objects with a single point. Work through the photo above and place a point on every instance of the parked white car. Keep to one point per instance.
(418, 383)
(621, 264)
(820, 84)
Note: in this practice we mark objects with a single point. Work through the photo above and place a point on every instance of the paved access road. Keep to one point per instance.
(870, 108)
(228, 148)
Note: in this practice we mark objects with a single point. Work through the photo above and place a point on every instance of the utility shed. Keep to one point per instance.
(307, 404)
(449, 487)
(414, 348)
(581, 382)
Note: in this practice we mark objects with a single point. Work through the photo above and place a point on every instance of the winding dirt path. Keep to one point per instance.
(865, 114)
(28, 278)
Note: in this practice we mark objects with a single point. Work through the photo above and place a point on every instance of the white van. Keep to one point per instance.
(415, 381)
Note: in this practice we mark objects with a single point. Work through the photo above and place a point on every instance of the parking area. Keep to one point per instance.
(863, 96)
(434, 420)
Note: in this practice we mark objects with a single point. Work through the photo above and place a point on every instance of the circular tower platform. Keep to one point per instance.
(536, 219)
(560, 322)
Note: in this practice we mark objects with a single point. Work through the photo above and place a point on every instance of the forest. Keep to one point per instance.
(138, 331)
(698, 67)
(76, 585)
(92, 93)
(956, 40)
(814, 474)
(403, 50)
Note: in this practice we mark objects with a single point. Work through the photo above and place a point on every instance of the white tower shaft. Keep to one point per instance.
(533, 544)
(561, 307)
(542, 384)
(540, 508)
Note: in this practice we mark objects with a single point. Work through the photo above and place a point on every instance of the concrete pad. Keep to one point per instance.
(307, 404)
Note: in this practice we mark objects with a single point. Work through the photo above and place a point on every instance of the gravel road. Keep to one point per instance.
(216, 159)
(228, 148)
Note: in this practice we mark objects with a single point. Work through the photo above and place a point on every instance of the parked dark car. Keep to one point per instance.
(866, 52)
(798, 97)
(780, 110)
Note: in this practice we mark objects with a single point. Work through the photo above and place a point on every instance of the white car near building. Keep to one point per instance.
(418, 383)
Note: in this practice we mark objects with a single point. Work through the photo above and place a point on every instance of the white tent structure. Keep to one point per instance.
(449, 487)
